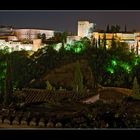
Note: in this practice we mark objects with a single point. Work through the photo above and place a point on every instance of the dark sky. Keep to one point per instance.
(67, 20)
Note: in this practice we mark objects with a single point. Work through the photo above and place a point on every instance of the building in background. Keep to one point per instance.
(72, 39)
(32, 33)
(37, 44)
(14, 38)
(15, 46)
(18, 46)
(85, 28)
(132, 39)
(6, 30)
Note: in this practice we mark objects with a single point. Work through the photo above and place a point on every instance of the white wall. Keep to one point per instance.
(32, 33)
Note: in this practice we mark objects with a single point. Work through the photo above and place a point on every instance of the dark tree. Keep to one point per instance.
(23, 69)
(63, 38)
(113, 29)
(104, 41)
(20, 119)
(113, 43)
(78, 79)
(136, 87)
(107, 29)
(39, 36)
(37, 119)
(3, 66)
(12, 117)
(137, 48)
(3, 118)
(125, 29)
(29, 118)
(118, 28)
(43, 37)
(9, 86)
(99, 41)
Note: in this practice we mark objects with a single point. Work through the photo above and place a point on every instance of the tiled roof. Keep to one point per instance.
(43, 95)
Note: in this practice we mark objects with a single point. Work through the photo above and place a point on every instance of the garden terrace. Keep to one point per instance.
(64, 75)
(114, 94)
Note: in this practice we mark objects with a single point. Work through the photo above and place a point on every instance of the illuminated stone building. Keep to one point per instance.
(32, 33)
(36, 44)
(132, 39)
(17, 45)
(13, 37)
(72, 39)
(85, 28)
(5, 31)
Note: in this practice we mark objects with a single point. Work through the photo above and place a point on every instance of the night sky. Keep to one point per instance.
(67, 20)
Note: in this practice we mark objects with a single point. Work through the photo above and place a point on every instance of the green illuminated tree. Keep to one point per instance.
(78, 47)
(86, 41)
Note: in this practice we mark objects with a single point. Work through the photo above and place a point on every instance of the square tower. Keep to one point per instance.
(85, 28)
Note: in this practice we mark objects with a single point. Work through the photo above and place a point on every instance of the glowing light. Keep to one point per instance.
(136, 61)
(110, 70)
(68, 47)
(57, 46)
(78, 47)
(77, 50)
(114, 63)
(126, 67)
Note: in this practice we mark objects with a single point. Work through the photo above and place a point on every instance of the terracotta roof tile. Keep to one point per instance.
(43, 95)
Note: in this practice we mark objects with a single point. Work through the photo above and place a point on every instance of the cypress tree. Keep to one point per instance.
(136, 88)
(3, 66)
(137, 48)
(107, 29)
(113, 43)
(99, 41)
(78, 79)
(125, 29)
(8, 82)
(49, 86)
(104, 41)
